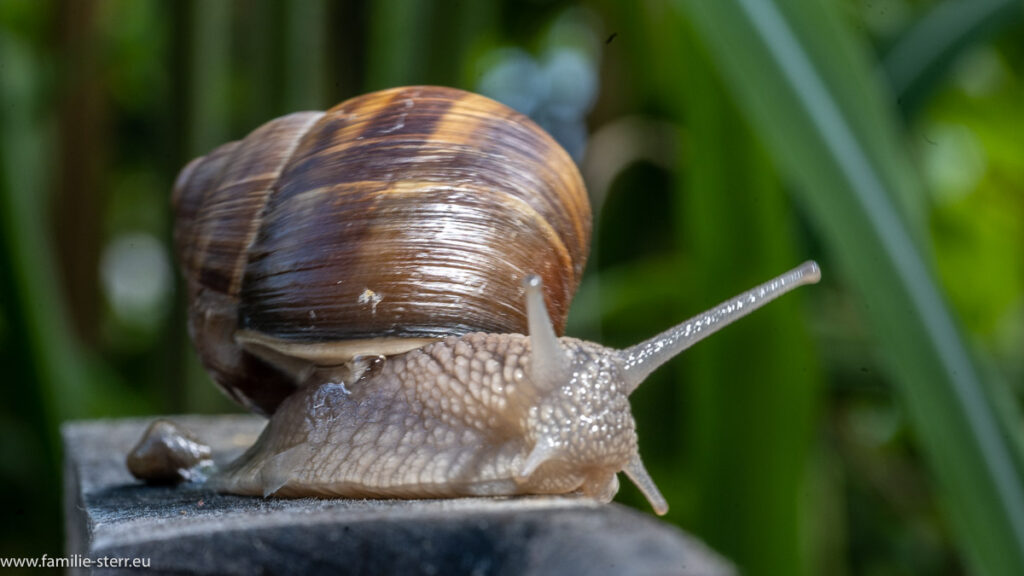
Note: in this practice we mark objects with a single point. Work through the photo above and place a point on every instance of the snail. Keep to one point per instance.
(388, 281)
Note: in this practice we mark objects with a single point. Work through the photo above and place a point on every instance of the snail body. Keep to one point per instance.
(360, 276)
(442, 421)
(478, 415)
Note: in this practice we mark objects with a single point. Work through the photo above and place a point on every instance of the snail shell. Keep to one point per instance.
(393, 219)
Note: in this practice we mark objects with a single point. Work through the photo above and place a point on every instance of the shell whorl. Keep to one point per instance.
(407, 213)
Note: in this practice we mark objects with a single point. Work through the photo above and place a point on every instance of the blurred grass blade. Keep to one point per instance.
(739, 424)
(208, 125)
(24, 178)
(306, 56)
(397, 53)
(924, 51)
(796, 71)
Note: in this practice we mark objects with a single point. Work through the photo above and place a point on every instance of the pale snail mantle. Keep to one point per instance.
(427, 387)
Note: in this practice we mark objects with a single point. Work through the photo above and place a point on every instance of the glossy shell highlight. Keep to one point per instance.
(407, 213)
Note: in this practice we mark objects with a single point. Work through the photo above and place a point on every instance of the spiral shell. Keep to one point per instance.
(397, 216)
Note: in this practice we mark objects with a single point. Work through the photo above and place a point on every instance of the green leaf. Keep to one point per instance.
(754, 417)
(923, 52)
(798, 73)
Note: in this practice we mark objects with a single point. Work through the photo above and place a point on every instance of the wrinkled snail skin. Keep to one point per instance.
(480, 414)
(441, 421)
(359, 275)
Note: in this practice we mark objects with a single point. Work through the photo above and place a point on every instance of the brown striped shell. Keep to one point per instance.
(397, 216)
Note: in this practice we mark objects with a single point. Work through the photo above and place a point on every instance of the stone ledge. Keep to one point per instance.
(189, 529)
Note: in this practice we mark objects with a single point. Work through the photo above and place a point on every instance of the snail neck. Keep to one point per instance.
(640, 360)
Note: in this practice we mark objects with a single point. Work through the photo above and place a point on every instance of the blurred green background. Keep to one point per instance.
(867, 425)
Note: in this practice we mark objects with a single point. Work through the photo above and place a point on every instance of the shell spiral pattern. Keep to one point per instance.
(410, 213)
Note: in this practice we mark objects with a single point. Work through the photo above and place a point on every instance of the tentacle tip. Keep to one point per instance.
(810, 272)
(638, 474)
(532, 281)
